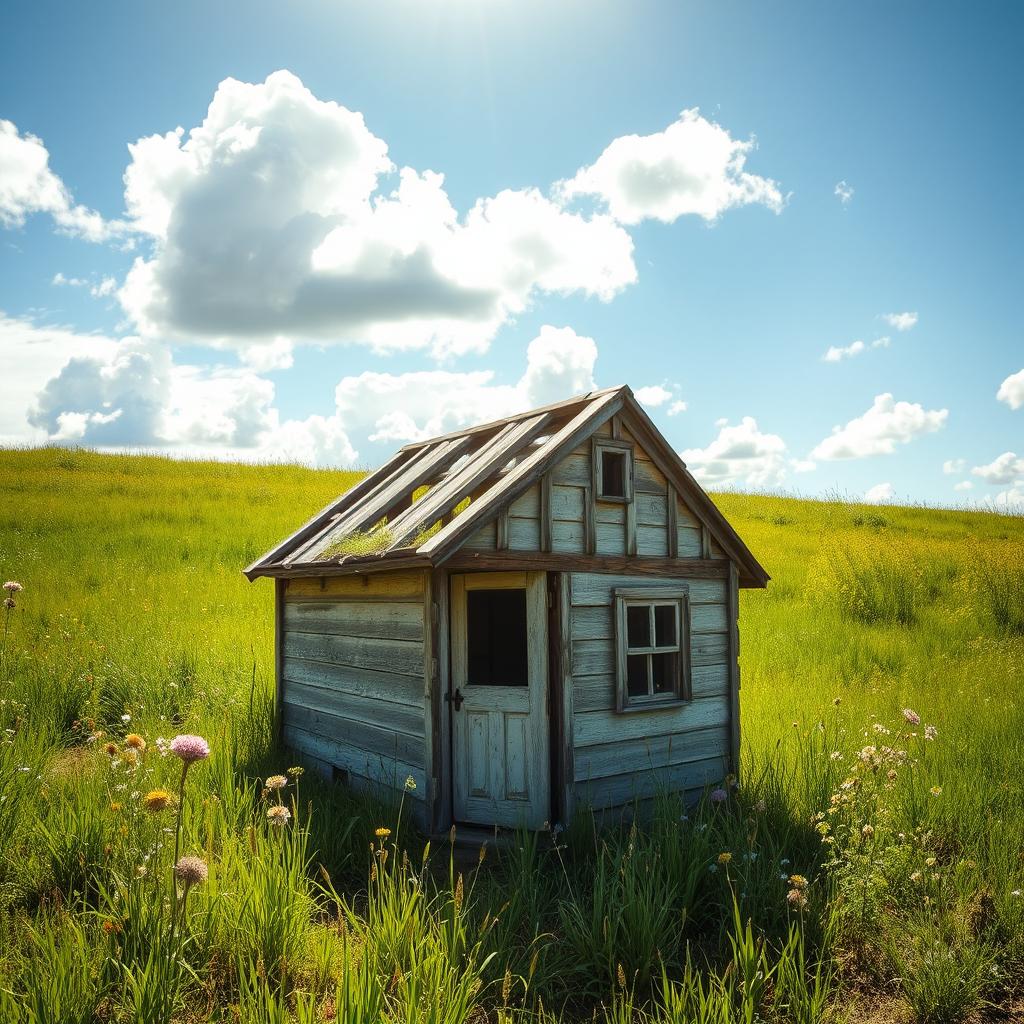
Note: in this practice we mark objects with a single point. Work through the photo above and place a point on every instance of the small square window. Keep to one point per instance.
(613, 470)
(652, 636)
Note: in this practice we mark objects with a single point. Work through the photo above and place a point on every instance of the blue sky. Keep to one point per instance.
(584, 233)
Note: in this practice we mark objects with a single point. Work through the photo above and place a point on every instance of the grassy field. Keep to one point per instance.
(868, 867)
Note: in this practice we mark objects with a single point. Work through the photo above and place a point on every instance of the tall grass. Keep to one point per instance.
(775, 905)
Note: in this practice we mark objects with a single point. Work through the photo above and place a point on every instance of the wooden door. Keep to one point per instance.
(499, 687)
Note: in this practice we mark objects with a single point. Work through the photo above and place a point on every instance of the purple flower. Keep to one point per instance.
(190, 748)
(911, 716)
(719, 795)
(12, 587)
(191, 870)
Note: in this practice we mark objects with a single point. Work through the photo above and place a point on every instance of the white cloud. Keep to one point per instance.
(1011, 391)
(654, 395)
(963, 485)
(954, 465)
(269, 219)
(836, 354)
(740, 454)
(1012, 500)
(803, 465)
(107, 286)
(879, 493)
(275, 354)
(1006, 469)
(900, 321)
(677, 407)
(882, 342)
(29, 186)
(692, 167)
(878, 431)
(843, 192)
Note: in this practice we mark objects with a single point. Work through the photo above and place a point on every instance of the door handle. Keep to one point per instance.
(456, 699)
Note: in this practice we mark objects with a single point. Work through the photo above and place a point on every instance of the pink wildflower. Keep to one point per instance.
(191, 870)
(911, 716)
(13, 587)
(190, 748)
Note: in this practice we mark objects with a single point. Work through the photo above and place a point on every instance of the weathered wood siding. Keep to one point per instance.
(571, 483)
(619, 757)
(352, 667)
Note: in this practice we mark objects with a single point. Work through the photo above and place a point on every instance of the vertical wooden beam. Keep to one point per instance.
(673, 522)
(705, 541)
(616, 426)
(589, 522)
(564, 687)
(442, 738)
(431, 698)
(501, 542)
(631, 527)
(734, 668)
(545, 512)
(280, 588)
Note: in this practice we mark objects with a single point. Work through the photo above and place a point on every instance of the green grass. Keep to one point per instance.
(135, 618)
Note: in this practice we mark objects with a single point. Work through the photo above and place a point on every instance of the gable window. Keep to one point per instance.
(613, 470)
(652, 647)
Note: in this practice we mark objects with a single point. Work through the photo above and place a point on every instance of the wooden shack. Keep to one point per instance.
(521, 617)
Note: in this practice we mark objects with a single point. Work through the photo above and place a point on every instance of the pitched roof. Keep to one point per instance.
(490, 464)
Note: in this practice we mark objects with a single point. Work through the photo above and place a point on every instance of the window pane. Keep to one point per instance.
(613, 474)
(666, 670)
(636, 675)
(664, 625)
(638, 626)
(496, 637)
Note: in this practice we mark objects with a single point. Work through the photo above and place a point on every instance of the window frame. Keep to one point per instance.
(623, 448)
(652, 597)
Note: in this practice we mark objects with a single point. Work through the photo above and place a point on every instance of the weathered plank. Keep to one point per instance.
(357, 735)
(652, 541)
(576, 470)
(649, 753)
(688, 570)
(596, 588)
(390, 586)
(597, 692)
(363, 683)
(385, 771)
(386, 620)
(385, 714)
(404, 657)
(484, 539)
(524, 534)
(591, 657)
(594, 622)
(623, 789)
(593, 727)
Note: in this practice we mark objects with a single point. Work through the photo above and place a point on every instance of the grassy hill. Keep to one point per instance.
(135, 617)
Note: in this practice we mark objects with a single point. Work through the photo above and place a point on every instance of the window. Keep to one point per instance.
(496, 635)
(613, 470)
(652, 642)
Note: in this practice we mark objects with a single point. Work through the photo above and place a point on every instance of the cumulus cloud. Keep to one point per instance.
(836, 354)
(654, 395)
(1012, 500)
(271, 219)
(1011, 391)
(963, 485)
(954, 465)
(677, 407)
(1005, 469)
(900, 321)
(879, 494)
(877, 432)
(29, 186)
(692, 167)
(843, 192)
(740, 454)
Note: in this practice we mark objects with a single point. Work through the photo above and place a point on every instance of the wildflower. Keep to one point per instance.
(835, 756)
(115, 806)
(410, 784)
(126, 718)
(131, 757)
(279, 815)
(135, 742)
(867, 831)
(719, 795)
(837, 701)
(798, 881)
(276, 782)
(930, 862)
(911, 716)
(796, 898)
(13, 587)
(935, 790)
(930, 732)
(1015, 892)
(157, 800)
(915, 876)
(190, 748)
(10, 603)
(761, 806)
(296, 771)
(110, 749)
(191, 870)
(111, 927)
(382, 833)
(724, 858)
